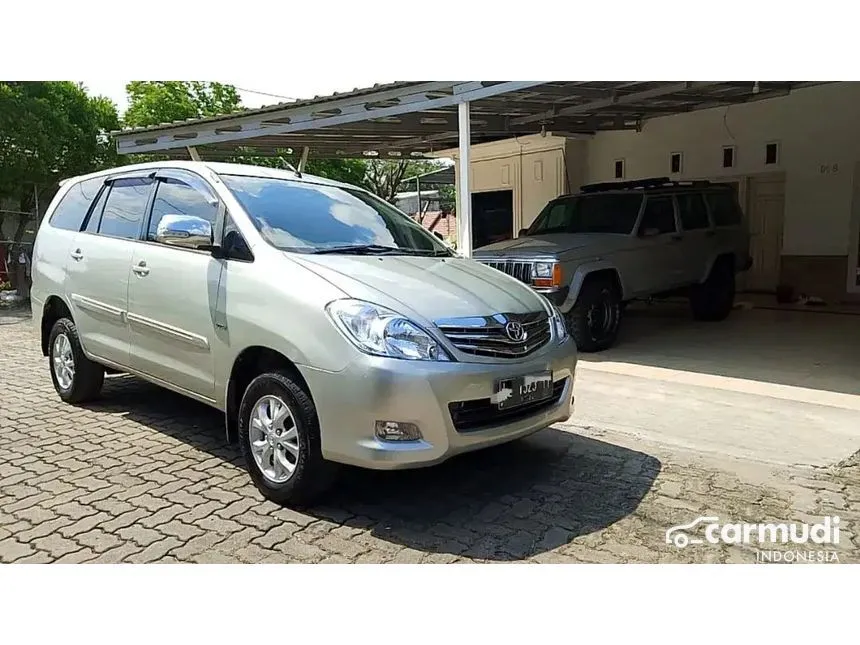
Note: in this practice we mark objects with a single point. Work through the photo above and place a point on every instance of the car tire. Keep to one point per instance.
(714, 299)
(595, 319)
(296, 452)
(76, 378)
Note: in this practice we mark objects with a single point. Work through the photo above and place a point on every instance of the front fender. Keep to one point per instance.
(578, 279)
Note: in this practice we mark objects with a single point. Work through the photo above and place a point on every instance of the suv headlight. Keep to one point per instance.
(543, 269)
(546, 274)
(376, 330)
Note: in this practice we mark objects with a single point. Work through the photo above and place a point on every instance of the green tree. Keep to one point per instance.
(385, 177)
(49, 130)
(156, 102)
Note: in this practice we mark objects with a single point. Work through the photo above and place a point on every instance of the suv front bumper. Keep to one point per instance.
(371, 389)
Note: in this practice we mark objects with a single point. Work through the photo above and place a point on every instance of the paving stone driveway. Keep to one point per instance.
(145, 476)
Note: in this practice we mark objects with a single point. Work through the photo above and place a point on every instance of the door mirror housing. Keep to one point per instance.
(185, 231)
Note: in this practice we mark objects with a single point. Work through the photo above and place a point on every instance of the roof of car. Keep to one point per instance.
(219, 168)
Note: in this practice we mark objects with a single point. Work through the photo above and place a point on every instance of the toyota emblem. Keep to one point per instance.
(515, 331)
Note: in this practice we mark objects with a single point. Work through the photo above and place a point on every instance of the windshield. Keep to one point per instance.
(315, 218)
(606, 213)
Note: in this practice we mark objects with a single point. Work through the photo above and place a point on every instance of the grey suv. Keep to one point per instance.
(326, 325)
(592, 252)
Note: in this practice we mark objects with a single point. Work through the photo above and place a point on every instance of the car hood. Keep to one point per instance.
(432, 288)
(554, 245)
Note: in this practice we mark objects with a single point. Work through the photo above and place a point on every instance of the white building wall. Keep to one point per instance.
(818, 130)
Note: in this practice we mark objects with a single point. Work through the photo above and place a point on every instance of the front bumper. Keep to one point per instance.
(372, 388)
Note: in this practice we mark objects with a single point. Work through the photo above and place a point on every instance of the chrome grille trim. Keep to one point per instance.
(486, 336)
(522, 270)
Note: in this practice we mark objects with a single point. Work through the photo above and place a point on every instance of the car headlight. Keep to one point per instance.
(543, 269)
(556, 319)
(382, 332)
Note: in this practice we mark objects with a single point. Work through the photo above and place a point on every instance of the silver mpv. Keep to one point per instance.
(327, 326)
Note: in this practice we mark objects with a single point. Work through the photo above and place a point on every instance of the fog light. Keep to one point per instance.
(397, 431)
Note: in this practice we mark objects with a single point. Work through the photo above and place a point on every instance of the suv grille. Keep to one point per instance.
(520, 270)
(489, 336)
(469, 416)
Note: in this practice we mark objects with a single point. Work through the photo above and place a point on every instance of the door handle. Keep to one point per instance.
(141, 269)
(77, 255)
(710, 233)
(677, 238)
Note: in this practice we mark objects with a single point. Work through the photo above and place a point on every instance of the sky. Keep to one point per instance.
(253, 92)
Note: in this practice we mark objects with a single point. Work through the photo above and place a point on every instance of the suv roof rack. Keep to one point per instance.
(644, 184)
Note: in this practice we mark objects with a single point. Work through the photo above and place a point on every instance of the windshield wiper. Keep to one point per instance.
(360, 249)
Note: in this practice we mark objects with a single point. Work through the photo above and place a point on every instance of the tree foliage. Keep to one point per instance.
(385, 177)
(156, 102)
(51, 130)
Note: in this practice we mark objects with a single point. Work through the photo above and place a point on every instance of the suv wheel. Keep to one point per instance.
(76, 378)
(714, 298)
(280, 440)
(595, 318)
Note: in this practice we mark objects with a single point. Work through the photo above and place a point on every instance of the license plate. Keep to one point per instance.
(521, 390)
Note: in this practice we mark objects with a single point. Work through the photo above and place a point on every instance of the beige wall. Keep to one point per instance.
(533, 168)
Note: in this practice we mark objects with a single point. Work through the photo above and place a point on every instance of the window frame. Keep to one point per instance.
(185, 177)
(644, 208)
(109, 185)
(76, 185)
(680, 219)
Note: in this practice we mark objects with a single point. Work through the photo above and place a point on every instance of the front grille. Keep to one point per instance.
(488, 336)
(522, 271)
(470, 416)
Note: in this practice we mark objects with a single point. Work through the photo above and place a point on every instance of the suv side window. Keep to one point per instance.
(176, 197)
(693, 212)
(125, 207)
(724, 208)
(72, 209)
(659, 216)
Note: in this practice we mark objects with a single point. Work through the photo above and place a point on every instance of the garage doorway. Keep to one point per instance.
(765, 213)
(492, 217)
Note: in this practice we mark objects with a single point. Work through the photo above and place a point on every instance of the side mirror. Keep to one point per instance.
(522, 232)
(186, 231)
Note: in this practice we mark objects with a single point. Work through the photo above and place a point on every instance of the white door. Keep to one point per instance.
(172, 292)
(98, 270)
(765, 212)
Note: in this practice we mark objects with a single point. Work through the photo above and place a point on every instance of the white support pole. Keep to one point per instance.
(464, 212)
(303, 160)
(192, 151)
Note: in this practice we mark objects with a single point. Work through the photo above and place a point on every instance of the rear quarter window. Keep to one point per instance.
(724, 207)
(72, 209)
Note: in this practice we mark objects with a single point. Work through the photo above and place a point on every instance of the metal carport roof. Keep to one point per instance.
(415, 119)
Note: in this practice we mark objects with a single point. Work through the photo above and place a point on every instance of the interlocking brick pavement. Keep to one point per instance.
(144, 475)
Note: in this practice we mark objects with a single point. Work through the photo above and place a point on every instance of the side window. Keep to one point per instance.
(693, 212)
(176, 197)
(659, 217)
(724, 208)
(233, 242)
(125, 208)
(95, 218)
(72, 209)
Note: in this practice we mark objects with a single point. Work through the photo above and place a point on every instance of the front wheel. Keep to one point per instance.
(596, 317)
(280, 440)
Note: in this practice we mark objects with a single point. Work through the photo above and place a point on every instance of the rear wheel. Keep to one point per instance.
(76, 378)
(713, 299)
(595, 318)
(280, 440)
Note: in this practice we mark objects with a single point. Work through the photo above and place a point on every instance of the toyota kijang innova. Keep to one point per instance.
(328, 326)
